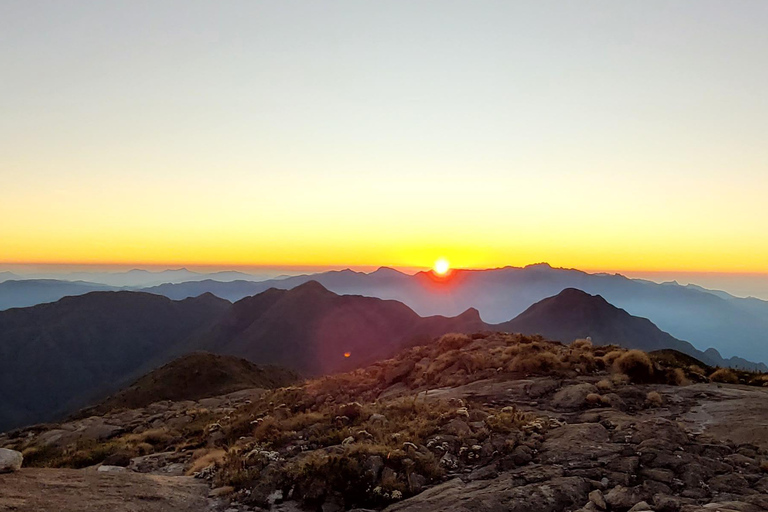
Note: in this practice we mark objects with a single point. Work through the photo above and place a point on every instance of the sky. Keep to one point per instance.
(601, 135)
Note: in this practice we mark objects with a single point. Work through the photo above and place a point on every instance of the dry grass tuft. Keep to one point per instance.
(594, 399)
(604, 385)
(536, 362)
(581, 344)
(636, 365)
(453, 341)
(724, 375)
(677, 377)
(204, 458)
(654, 399)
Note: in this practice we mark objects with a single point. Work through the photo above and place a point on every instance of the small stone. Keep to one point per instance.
(221, 491)
(597, 498)
(105, 468)
(641, 507)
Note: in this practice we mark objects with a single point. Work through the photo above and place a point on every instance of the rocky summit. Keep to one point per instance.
(487, 422)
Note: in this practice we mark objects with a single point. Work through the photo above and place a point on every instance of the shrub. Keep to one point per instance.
(654, 399)
(542, 362)
(677, 377)
(453, 341)
(42, 456)
(604, 385)
(724, 375)
(635, 364)
(507, 421)
(619, 379)
(201, 459)
(581, 345)
(609, 357)
(594, 399)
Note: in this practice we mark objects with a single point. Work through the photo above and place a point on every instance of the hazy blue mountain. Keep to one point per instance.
(733, 326)
(30, 292)
(8, 276)
(383, 283)
(574, 314)
(139, 278)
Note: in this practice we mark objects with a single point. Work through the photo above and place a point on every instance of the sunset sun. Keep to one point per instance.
(442, 266)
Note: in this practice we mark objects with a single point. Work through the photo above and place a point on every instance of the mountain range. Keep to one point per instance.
(315, 331)
(65, 355)
(734, 326)
(24, 293)
(137, 278)
(62, 356)
(706, 318)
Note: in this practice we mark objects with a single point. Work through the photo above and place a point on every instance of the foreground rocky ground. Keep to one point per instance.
(493, 422)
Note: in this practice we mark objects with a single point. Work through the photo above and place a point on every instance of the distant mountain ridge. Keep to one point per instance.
(316, 331)
(8, 276)
(31, 292)
(734, 326)
(142, 278)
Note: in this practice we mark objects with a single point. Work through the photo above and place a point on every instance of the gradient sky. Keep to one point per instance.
(599, 135)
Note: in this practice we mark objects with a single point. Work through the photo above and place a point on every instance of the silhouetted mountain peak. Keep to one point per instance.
(310, 287)
(387, 271)
(470, 314)
(209, 298)
(571, 299)
(540, 266)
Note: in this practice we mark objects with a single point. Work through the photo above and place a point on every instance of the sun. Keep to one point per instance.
(442, 266)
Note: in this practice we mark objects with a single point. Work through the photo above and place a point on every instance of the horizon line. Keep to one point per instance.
(416, 268)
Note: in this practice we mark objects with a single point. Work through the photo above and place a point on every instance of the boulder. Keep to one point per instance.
(10, 460)
(573, 397)
(597, 498)
(624, 498)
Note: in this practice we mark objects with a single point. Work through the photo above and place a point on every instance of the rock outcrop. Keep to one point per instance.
(10, 460)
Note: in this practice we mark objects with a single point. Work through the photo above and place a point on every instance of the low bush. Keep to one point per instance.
(654, 399)
(204, 458)
(636, 365)
(725, 376)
